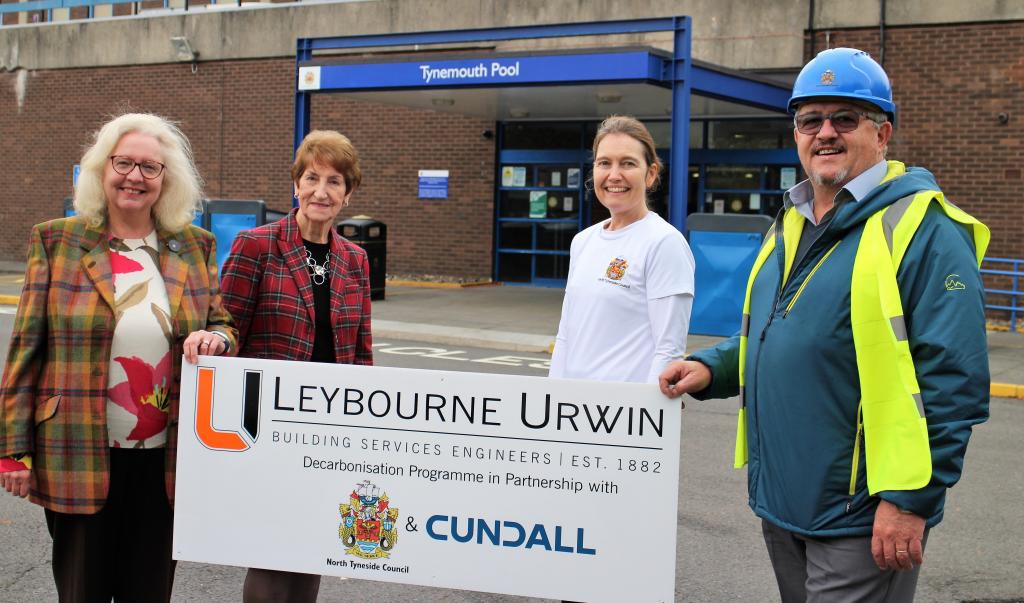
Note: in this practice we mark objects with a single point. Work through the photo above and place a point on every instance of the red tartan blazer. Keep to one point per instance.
(53, 397)
(267, 289)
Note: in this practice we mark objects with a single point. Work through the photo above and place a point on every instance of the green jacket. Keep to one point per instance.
(801, 379)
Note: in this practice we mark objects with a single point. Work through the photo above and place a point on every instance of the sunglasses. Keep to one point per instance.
(843, 121)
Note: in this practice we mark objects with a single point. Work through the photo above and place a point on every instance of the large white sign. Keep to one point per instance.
(518, 485)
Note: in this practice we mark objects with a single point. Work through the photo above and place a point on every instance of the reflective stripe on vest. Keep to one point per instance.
(897, 451)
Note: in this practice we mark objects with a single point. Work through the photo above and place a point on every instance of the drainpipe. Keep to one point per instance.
(810, 27)
(881, 35)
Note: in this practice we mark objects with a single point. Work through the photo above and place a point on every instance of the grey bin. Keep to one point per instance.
(724, 248)
(272, 215)
(371, 235)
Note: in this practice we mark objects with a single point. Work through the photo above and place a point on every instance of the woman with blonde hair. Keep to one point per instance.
(113, 297)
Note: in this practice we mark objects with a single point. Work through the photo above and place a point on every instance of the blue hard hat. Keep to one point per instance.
(845, 73)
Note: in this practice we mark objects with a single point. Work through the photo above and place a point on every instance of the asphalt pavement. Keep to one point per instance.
(975, 555)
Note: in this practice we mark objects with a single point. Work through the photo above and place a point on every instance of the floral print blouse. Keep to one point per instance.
(139, 383)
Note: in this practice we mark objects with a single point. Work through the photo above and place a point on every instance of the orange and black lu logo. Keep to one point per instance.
(217, 439)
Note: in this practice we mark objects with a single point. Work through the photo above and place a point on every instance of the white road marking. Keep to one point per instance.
(446, 354)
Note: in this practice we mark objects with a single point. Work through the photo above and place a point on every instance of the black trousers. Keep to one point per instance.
(272, 586)
(124, 551)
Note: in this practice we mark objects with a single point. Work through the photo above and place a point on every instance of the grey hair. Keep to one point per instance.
(182, 190)
(876, 117)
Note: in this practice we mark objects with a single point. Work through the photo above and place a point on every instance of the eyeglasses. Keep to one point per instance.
(843, 120)
(124, 166)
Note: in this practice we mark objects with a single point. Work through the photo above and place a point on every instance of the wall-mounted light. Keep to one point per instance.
(184, 52)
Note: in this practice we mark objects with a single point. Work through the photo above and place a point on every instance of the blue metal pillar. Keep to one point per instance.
(680, 159)
(304, 52)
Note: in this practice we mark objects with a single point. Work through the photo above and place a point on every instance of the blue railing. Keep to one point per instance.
(1011, 271)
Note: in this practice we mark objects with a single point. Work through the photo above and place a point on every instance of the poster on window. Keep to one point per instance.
(538, 204)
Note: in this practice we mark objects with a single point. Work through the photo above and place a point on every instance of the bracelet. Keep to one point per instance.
(227, 342)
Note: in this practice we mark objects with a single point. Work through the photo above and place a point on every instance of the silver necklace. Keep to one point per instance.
(318, 272)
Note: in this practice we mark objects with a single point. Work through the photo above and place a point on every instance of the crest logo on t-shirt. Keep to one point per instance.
(616, 269)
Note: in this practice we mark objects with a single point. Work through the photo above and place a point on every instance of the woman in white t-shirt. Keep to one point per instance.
(629, 293)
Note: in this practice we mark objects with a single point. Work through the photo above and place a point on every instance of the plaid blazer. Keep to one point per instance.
(53, 397)
(267, 289)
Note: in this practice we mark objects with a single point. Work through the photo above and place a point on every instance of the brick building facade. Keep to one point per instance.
(238, 116)
(959, 89)
(952, 84)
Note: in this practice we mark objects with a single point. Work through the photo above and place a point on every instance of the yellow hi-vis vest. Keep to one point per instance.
(891, 412)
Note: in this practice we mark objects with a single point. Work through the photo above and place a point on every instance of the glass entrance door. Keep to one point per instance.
(540, 197)
(736, 166)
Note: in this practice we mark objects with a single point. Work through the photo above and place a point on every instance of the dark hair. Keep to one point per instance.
(630, 126)
(329, 148)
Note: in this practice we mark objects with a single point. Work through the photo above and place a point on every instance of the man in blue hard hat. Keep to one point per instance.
(862, 362)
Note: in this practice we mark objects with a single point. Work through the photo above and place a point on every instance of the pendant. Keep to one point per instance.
(317, 272)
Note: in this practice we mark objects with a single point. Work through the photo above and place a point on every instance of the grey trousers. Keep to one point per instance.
(828, 570)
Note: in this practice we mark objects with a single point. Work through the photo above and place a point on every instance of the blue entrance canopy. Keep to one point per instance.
(675, 71)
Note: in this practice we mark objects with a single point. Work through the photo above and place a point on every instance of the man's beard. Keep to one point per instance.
(837, 179)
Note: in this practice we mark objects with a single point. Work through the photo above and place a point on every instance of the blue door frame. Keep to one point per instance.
(534, 251)
(530, 161)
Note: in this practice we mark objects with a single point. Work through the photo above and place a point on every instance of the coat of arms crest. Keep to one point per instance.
(367, 527)
(616, 269)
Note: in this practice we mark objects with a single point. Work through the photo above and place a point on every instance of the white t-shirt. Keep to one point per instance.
(627, 302)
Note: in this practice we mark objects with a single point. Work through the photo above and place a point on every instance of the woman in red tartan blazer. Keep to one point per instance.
(113, 297)
(298, 291)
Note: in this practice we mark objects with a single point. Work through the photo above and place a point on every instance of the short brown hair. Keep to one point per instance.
(632, 127)
(329, 148)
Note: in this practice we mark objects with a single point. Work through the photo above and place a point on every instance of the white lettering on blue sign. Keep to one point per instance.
(499, 70)
(430, 74)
